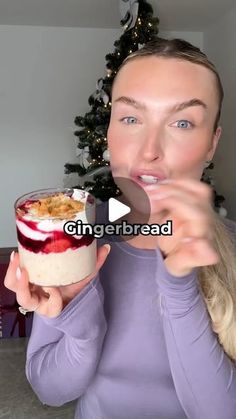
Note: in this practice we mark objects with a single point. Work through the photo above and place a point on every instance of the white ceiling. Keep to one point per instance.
(192, 15)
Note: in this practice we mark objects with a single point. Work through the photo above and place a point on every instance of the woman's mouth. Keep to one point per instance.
(148, 179)
(144, 179)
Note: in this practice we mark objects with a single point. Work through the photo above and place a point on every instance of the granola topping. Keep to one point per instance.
(59, 206)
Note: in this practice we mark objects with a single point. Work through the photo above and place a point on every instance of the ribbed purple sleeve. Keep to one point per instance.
(63, 352)
(204, 376)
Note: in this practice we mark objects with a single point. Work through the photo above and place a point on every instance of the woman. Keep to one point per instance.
(152, 333)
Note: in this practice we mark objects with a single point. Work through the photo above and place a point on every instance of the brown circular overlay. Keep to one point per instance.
(136, 200)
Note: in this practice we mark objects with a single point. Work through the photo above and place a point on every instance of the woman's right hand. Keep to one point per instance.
(47, 301)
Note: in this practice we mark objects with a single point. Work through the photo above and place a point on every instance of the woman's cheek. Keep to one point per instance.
(123, 138)
(117, 147)
(186, 161)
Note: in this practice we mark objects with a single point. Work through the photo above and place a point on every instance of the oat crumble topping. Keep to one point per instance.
(58, 205)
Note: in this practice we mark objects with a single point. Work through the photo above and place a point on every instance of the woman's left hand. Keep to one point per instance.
(187, 203)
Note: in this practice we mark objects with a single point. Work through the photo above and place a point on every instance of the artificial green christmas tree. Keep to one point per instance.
(218, 199)
(139, 27)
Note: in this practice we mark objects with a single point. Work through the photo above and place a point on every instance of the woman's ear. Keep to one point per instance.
(214, 143)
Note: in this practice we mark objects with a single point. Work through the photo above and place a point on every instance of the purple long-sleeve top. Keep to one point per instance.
(136, 343)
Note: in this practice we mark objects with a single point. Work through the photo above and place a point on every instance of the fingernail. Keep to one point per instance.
(161, 195)
(108, 247)
(165, 181)
(18, 274)
(151, 187)
(154, 186)
(12, 256)
(187, 239)
(46, 289)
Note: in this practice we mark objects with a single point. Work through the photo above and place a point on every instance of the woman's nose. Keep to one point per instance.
(153, 147)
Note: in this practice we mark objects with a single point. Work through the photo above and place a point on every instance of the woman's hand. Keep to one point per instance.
(187, 203)
(47, 301)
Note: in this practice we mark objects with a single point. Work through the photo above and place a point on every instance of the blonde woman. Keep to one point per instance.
(152, 333)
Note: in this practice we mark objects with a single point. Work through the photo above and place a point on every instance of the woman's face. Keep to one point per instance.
(147, 133)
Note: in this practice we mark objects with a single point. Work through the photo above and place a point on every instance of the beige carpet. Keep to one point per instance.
(17, 400)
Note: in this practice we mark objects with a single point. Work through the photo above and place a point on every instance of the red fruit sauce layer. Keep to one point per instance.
(57, 242)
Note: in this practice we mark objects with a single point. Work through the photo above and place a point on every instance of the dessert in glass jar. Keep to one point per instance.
(52, 257)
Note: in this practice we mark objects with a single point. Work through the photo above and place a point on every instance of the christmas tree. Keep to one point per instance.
(218, 199)
(139, 27)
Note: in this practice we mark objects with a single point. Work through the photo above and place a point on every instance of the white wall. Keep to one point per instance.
(219, 44)
(46, 77)
(196, 38)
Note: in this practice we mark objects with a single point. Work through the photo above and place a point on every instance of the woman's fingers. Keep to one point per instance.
(17, 280)
(186, 229)
(180, 203)
(191, 254)
(188, 204)
(25, 298)
(10, 278)
(193, 186)
(196, 216)
(199, 195)
(102, 254)
(51, 303)
(48, 301)
(45, 300)
(68, 292)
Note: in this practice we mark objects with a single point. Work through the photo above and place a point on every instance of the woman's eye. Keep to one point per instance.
(184, 124)
(128, 120)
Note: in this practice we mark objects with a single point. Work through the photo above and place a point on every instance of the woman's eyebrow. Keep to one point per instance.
(177, 107)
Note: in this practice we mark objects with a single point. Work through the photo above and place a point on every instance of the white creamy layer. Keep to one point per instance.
(49, 225)
(55, 269)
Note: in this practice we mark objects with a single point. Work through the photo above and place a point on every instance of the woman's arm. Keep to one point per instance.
(63, 352)
(204, 376)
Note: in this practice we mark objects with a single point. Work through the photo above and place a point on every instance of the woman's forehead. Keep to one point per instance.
(169, 75)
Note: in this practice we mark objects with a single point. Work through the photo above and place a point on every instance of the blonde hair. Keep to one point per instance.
(217, 283)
